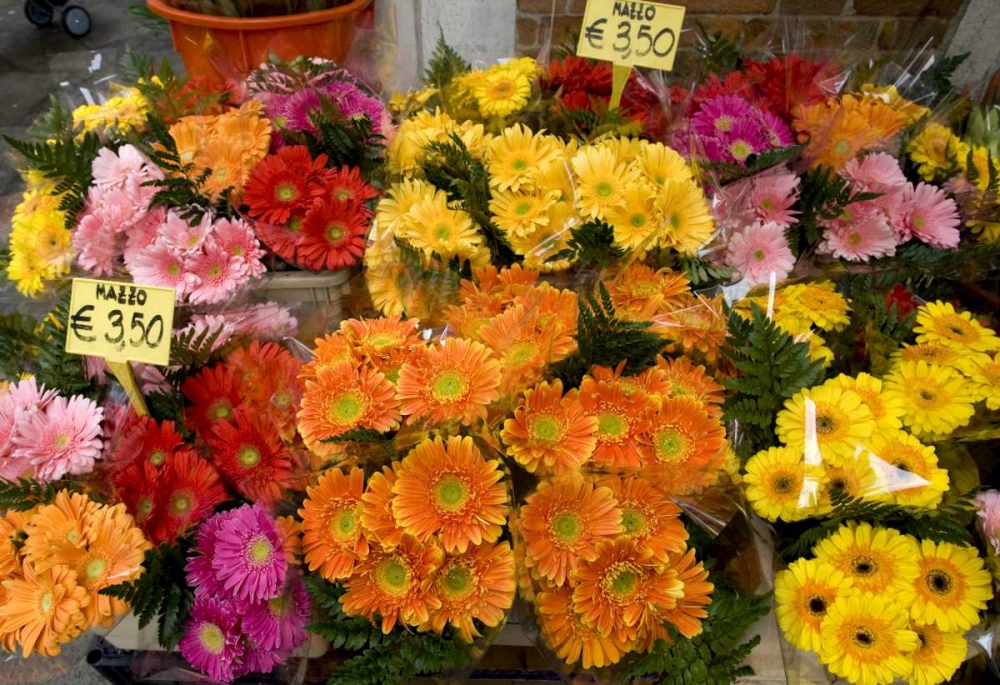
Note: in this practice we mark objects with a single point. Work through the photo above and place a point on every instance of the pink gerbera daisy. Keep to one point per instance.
(868, 237)
(279, 623)
(743, 140)
(161, 266)
(211, 641)
(145, 231)
(875, 173)
(182, 237)
(775, 130)
(63, 439)
(109, 168)
(236, 238)
(299, 110)
(200, 573)
(759, 251)
(772, 196)
(931, 216)
(96, 245)
(218, 275)
(248, 559)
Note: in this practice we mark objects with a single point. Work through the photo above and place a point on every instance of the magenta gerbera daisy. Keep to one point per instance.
(64, 438)
(745, 139)
(248, 558)
(211, 641)
(718, 116)
(279, 623)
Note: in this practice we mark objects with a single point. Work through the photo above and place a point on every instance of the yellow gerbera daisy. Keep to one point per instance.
(984, 371)
(887, 412)
(660, 164)
(521, 214)
(687, 218)
(951, 587)
(400, 199)
(602, 181)
(502, 91)
(866, 640)
(433, 227)
(636, 221)
(929, 149)
(515, 156)
(625, 149)
(819, 303)
(825, 424)
(931, 352)
(938, 655)
(878, 560)
(907, 470)
(855, 479)
(939, 322)
(804, 593)
(936, 399)
(555, 175)
(779, 485)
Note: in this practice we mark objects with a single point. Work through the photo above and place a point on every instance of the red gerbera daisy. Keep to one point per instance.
(334, 235)
(213, 394)
(250, 457)
(251, 367)
(346, 185)
(138, 487)
(146, 440)
(284, 184)
(190, 488)
(285, 240)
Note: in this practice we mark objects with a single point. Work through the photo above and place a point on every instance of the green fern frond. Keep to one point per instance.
(445, 64)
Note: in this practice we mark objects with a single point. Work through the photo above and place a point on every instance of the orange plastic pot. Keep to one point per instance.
(226, 48)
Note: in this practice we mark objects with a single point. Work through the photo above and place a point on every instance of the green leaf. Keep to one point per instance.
(771, 368)
(590, 243)
(718, 52)
(824, 195)
(605, 340)
(25, 494)
(445, 64)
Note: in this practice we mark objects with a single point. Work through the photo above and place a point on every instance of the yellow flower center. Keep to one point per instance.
(457, 583)
(766, 205)
(346, 409)
(633, 521)
(214, 271)
(545, 428)
(724, 123)
(451, 493)
(501, 89)
(740, 150)
(392, 576)
(46, 602)
(854, 239)
(180, 503)
(671, 445)
(156, 457)
(759, 255)
(61, 441)
(521, 353)
(248, 456)
(259, 551)
(343, 523)
(211, 638)
(73, 536)
(220, 409)
(566, 526)
(174, 269)
(449, 385)
(94, 568)
(294, 224)
(343, 194)
(144, 506)
(285, 192)
(335, 232)
(842, 147)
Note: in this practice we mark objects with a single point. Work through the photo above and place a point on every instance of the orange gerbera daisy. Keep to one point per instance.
(558, 311)
(59, 533)
(549, 432)
(253, 365)
(44, 609)
(479, 584)
(651, 382)
(346, 397)
(290, 532)
(395, 584)
(639, 292)
(386, 343)
(683, 438)
(246, 130)
(452, 381)
(688, 380)
(115, 556)
(649, 518)
(329, 350)
(332, 537)
(475, 312)
(697, 327)
(620, 421)
(573, 640)
(563, 521)
(188, 134)
(515, 280)
(521, 344)
(229, 170)
(376, 518)
(12, 525)
(449, 488)
(690, 609)
(622, 588)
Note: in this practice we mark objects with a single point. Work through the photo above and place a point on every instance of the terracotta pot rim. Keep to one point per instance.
(258, 23)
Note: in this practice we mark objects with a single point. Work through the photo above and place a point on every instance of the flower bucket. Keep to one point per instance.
(227, 48)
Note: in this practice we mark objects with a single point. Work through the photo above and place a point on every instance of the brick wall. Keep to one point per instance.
(866, 25)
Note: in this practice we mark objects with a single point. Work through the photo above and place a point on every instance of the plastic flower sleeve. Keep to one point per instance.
(854, 458)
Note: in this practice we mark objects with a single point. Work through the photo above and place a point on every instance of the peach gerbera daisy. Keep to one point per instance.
(688, 380)
(376, 518)
(448, 488)
(649, 518)
(651, 382)
(59, 533)
(395, 584)
(329, 350)
(452, 381)
(385, 342)
(573, 640)
(332, 537)
(697, 327)
(475, 312)
(558, 311)
(690, 609)
(479, 584)
(563, 521)
(620, 421)
(523, 346)
(346, 397)
(549, 432)
(682, 437)
(623, 588)
(639, 292)
(44, 609)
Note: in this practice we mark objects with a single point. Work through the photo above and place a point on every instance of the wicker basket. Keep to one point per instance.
(316, 299)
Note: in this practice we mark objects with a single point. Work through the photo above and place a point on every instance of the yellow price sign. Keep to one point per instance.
(631, 34)
(120, 321)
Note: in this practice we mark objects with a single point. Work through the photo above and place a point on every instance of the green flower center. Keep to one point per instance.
(566, 526)
(214, 271)
(335, 232)
(174, 269)
(94, 569)
(740, 150)
(622, 580)
(211, 638)
(442, 232)
(260, 551)
(604, 189)
(854, 239)
(294, 224)
(451, 493)
(47, 602)
(545, 427)
(448, 385)
(248, 456)
(766, 204)
(156, 457)
(523, 208)
(180, 503)
(759, 255)
(220, 409)
(286, 192)
(343, 523)
(343, 194)
(633, 521)
(519, 165)
(675, 221)
(638, 220)
(393, 577)
(724, 123)
(61, 441)
(671, 445)
(611, 426)
(346, 409)
(521, 353)
(144, 506)
(457, 583)
(278, 605)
